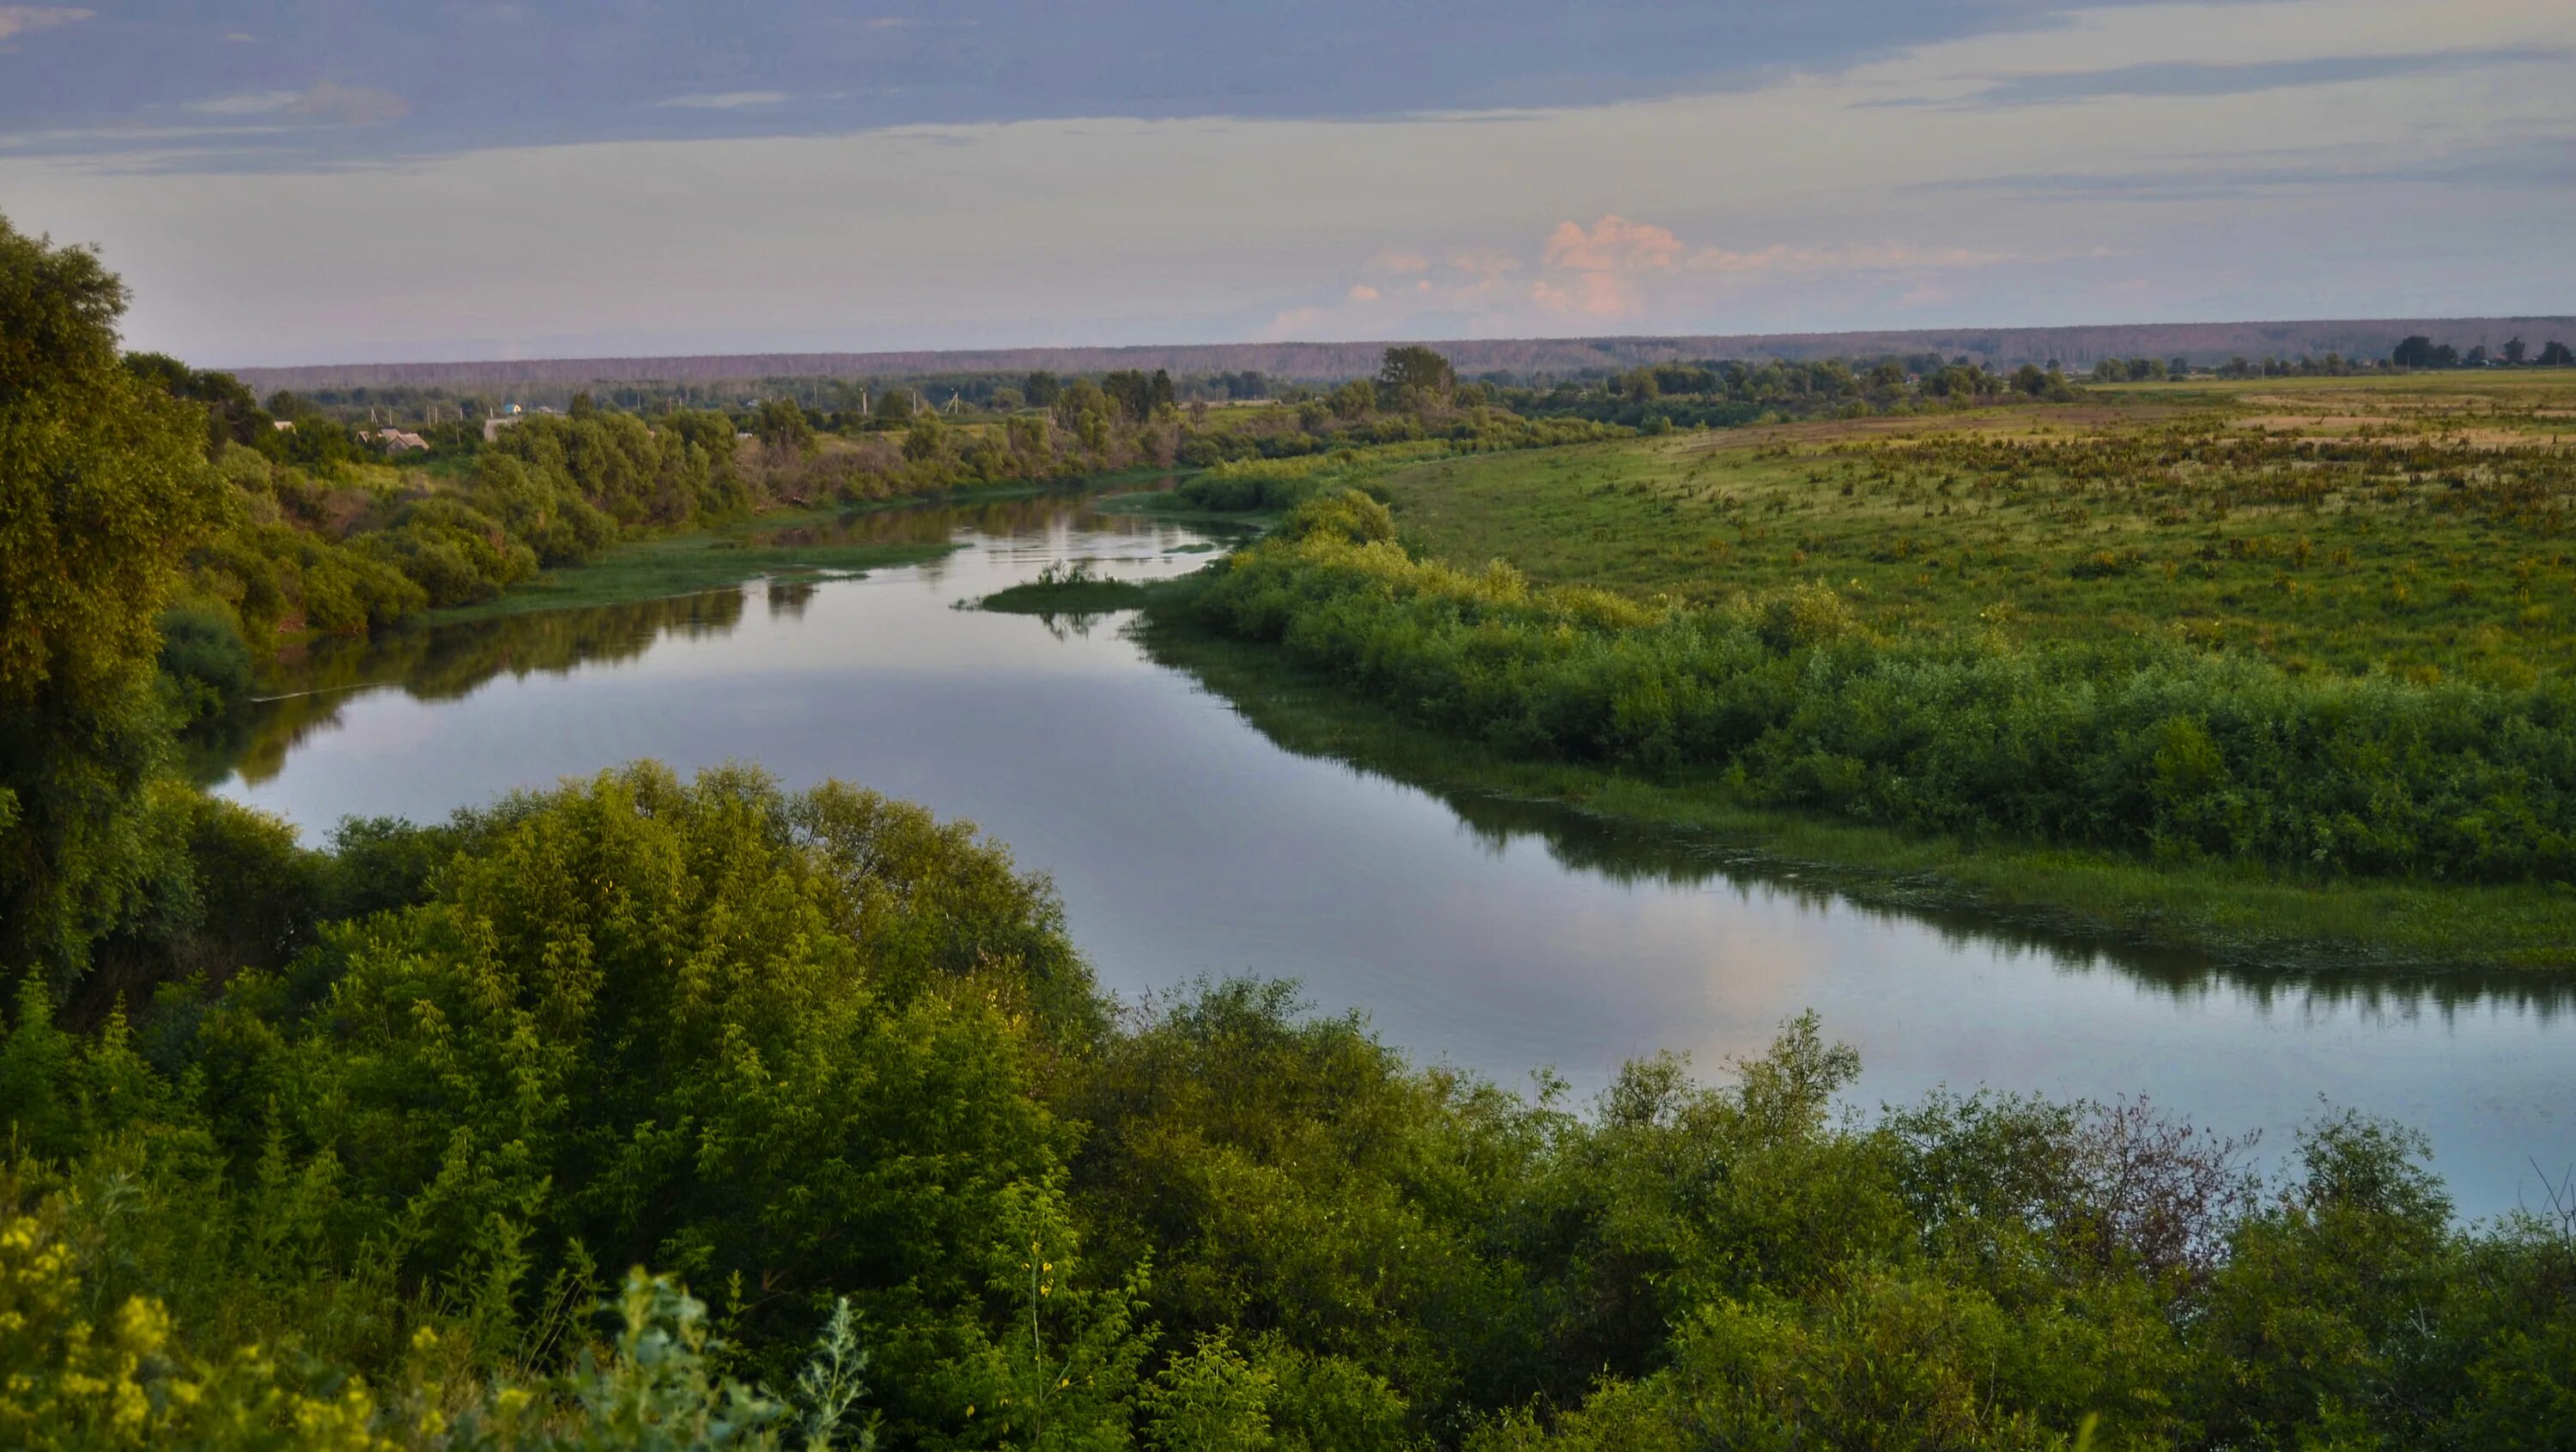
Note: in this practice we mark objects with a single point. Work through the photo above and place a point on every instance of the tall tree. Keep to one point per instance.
(103, 489)
(1415, 377)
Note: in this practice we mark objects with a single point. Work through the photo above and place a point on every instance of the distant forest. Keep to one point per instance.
(2203, 345)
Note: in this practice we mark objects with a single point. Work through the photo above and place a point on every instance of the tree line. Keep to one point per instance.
(2419, 351)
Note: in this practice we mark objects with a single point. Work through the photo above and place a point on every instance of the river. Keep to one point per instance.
(1496, 937)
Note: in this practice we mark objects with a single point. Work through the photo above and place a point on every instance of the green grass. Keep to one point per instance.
(2418, 524)
(2177, 919)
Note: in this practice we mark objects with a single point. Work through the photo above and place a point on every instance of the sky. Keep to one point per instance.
(312, 182)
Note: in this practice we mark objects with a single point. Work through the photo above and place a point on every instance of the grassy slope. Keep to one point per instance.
(1703, 517)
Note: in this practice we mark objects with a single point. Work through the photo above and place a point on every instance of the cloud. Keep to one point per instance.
(1614, 244)
(246, 103)
(16, 20)
(1405, 264)
(725, 100)
(1617, 267)
(1780, 257)
(2429, 194)
(1362, 292)
(1296, 320)
(348, 105)
(2206, 79)
(1596, 272)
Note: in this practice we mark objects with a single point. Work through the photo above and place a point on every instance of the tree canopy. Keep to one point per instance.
(103, 490)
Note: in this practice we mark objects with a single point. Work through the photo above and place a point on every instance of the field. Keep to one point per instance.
(2417, 524)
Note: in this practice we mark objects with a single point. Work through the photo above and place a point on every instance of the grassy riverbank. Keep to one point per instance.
(2171, 668)
(2237, 917)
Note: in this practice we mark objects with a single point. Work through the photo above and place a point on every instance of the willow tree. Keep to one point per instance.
(103, 489)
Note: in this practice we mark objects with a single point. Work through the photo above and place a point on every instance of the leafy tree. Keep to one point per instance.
(1134, 392)
(926, 440)
(2556, 355)
(103, 490)
(782, 426)
(232, 412)
(2415, 351)
(1082, 399)
(2514, 351)
(1415, 378)
(1356, 399)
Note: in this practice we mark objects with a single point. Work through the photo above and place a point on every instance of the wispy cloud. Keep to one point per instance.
(246, 103)
(328, 100)
(349, 105)
(17, 20)
(725, 100)
(2203, 79)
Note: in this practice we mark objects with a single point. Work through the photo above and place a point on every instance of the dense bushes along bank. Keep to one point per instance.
(835, 1066)
(2145, 748)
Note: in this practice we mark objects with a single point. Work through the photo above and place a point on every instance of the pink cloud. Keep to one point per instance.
(1362, 292)
(1614, 244)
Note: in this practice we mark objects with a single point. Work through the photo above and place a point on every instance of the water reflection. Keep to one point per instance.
(308, 691)
(1647, 853)
(1192, 828)
(305, 691)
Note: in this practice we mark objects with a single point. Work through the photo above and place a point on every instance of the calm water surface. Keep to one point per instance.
(1498, 938)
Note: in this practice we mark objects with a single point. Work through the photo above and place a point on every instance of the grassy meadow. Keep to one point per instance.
(2417, 523)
